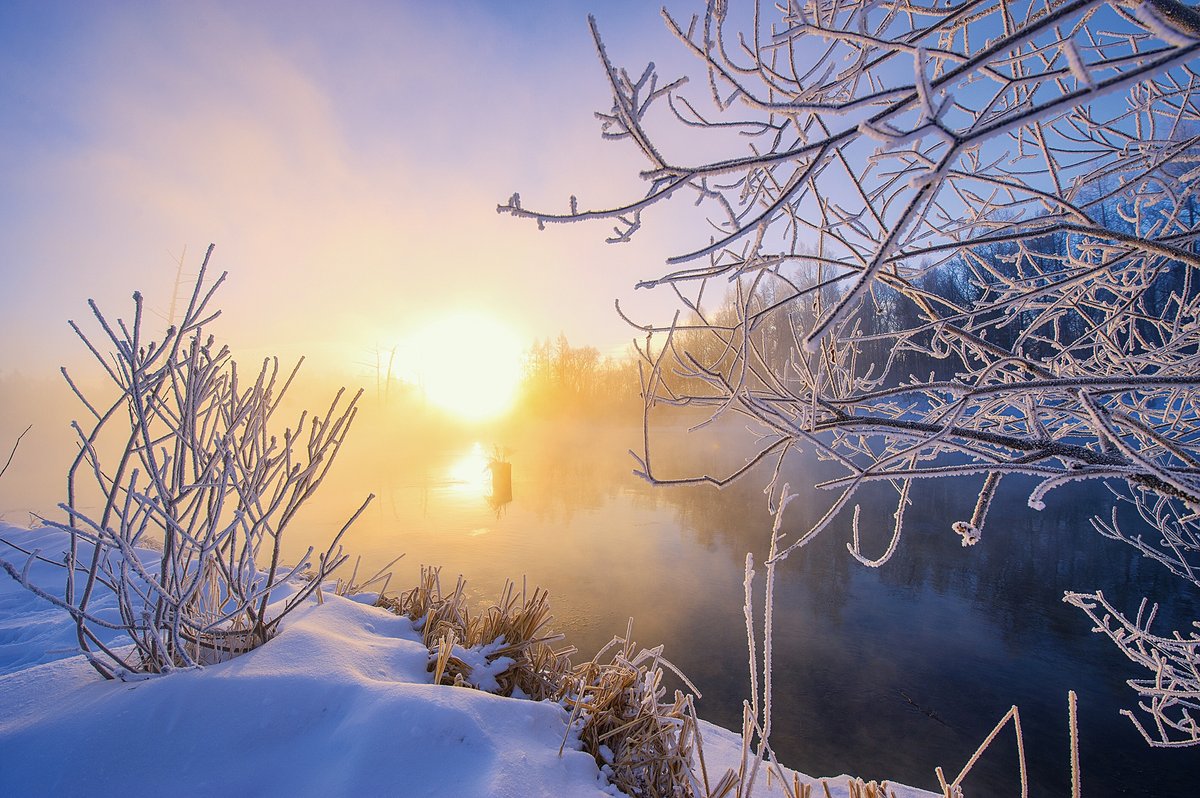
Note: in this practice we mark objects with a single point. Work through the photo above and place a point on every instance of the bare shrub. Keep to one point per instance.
(197, 496)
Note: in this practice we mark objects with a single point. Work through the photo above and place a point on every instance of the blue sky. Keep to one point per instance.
(346, 159)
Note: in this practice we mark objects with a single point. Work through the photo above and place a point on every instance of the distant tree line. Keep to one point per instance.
(561, 379)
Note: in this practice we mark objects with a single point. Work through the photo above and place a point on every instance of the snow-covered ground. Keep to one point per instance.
(340, 702)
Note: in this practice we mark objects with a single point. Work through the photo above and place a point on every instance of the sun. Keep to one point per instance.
(468, 364)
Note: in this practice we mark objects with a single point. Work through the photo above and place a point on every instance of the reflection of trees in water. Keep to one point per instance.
(735, 519)
(1018, 572)
(1025, 560)
(1014, 579)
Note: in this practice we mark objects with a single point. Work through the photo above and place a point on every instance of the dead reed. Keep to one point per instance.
(514, 627)
(864, 789)
(646, 747)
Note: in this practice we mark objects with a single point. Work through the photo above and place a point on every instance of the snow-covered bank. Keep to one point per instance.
(340, 702)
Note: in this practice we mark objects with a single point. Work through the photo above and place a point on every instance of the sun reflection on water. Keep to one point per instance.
(469, 474)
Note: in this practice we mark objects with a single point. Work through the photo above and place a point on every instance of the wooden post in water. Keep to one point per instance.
(501, 481)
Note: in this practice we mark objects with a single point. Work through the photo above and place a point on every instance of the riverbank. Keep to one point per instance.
(340, 702)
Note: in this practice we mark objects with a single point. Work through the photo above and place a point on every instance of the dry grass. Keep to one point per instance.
(517, 623)
(864, 789)
(646, 746)
(855, 788)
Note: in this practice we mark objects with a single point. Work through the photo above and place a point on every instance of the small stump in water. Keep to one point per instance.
(501, 481)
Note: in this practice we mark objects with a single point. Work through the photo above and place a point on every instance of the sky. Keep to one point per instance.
(345, 159)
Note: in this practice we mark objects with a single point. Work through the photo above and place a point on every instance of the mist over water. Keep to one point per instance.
(884, 673)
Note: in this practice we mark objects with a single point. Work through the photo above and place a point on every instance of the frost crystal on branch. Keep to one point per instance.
(969, 533)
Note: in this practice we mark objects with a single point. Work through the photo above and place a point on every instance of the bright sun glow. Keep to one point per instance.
(467, 364)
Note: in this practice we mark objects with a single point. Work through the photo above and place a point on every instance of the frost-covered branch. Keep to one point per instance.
(951, 241)
(1170, 696)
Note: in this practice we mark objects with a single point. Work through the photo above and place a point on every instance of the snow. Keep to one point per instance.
(33, 631)
(340, 702)
(482, 670)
